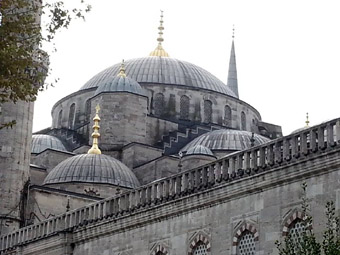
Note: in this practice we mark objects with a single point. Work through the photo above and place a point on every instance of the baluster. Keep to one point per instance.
(218, 171)
(166, 188)
(295, 146)
(277, 152)
(160, 190)
(204, 173)
(247, 156)
(337, 131)
(185, 183)
(231, 168)
(330, 135)
(270, 154)
(286, 149)
(303, 143)
(211, 175)
(225, 169)
(313, 140)
(321, 138)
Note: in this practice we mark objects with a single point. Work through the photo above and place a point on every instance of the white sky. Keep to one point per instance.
(287, 52)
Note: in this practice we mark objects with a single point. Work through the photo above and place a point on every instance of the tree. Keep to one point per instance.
(23, 63)
(308, 244)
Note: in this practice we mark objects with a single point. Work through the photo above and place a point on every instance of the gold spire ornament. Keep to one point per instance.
(95, 135)
(122, 70)
(159, 51)
(307, 120)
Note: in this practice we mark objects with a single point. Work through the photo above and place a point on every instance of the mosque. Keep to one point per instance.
(156, 155)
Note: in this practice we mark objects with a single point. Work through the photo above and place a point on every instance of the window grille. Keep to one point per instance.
(71, 116)
(184, 107)
(296, 231)
(243, 121)
(200, 249)
(246, 244)
(207, 111)
(227, 115)
(159, 104)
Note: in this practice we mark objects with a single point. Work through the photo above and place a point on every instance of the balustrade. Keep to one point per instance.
(283, 150)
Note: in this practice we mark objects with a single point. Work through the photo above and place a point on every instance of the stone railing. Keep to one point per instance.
(292, 148)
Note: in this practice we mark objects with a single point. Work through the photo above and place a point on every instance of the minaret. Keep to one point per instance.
(232, 74)
(15, 152)
(159, 51)
(95, 135)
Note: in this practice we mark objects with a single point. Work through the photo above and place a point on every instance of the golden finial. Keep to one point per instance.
(159, 51)
(307, 120)
(122, 69)
(95, 134)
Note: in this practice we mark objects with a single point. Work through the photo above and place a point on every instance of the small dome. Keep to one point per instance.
(120, 84)
(199, 150)
(43, 142)
(226, 139)
(92, 168)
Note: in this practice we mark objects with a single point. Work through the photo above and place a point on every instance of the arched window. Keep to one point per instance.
(60, 117)
(159, 104)
(200, 249)
(227, 115)
(296, 230)
(87, 110)
(207, 111)
(71, 116)
(184, 107)
(243, 121)
(245, 239)
(246, 244)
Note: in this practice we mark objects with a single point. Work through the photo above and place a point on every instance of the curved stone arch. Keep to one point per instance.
(198, 238)
(159, 248)
(245, 226)
(290, 219)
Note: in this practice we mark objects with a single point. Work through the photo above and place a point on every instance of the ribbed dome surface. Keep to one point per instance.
(92, 168)
(162, 70)
(120, 84)
(43, 142)
(226, 139)
(199, 150)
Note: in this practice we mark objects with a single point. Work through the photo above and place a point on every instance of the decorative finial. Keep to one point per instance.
(233, 36)
(159, 51)
(95, 134)
(122, 69)
(307, 120)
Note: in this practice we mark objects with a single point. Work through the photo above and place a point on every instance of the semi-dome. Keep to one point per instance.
(199, 150)
(120, 83)
(43, 142)
(162, 70)
(227, 139)
(92, 168)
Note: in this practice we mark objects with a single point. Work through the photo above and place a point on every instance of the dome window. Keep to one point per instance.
(227, 115)
(207, 111)
(184, 107)
(159, 104)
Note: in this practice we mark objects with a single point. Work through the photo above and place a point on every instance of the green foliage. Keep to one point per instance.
(308, 245)
(23, 65)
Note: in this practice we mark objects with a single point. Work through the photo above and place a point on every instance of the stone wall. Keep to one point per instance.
(123, 118)
(136, 154)
(49, 158)
(193, 161)
(156, 169)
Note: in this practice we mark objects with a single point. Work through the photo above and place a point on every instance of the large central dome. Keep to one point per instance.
(163, 70)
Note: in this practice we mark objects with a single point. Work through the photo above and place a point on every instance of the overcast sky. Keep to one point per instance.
(287, 52)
